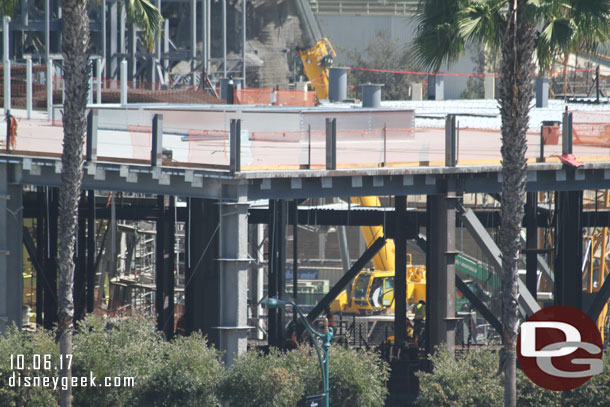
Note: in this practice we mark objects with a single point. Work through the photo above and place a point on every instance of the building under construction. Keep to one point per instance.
(192, 214)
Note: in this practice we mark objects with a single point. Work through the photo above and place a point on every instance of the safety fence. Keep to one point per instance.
(192, 137)
(274, 97)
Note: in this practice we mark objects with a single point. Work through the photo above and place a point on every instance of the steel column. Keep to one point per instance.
(91, 251)
(277, 273)
(164, 279)
(568, 249)
(295, 259)
(6, 62)
(11, 249)
(224, 38)
(40, 246)
(234, 276)
(202, 287)
(50, 294)
(440, 277)
(531, 257)
(400, 279)
(80, 272)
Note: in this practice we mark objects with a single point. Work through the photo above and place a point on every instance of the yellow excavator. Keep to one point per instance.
(372, 291)
(316, 51)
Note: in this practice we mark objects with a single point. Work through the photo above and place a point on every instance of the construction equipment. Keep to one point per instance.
(316, 51)
(372, 291)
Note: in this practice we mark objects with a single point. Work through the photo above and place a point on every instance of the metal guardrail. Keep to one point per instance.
(364, 7)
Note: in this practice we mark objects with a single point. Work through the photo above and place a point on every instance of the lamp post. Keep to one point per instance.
(314, 335)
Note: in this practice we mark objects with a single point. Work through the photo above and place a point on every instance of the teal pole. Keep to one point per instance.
(314, 335)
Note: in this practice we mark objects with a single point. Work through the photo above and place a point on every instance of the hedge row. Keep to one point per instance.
(471, 379)
(184, 372)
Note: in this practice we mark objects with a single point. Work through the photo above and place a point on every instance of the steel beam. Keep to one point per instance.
(346, 278)
(527, 303)
(80, 272)
(479, 305)
(278, 215)
(40, 250)
(568, 250)
(91, 251)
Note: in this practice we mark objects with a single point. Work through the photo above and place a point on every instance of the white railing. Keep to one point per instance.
(365, 7)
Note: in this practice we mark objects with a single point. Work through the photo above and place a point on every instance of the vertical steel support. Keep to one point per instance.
(50, 294)
(80, 272)
(295, 257)
(234, 275)
(243, 41)
(193, 39)
(6, 62)
(103, 36)
(113, 59)
(568, 249)
(235, 146)
(202, 288)
(440, 289)
(277, 274)
(156, 156)
(11, 249)
(91, 136)
(28, 86)
(165, 261)
(91, 251)
(133, 49)
(40, 246)
(224, 38)
(450, 141)
(166, 45)
(49, 62)
(331, 144)
(566, 134)
(124, 82)
(259, 279)
(91, 75)
(400, 280)
(531, 258)
(98, 83)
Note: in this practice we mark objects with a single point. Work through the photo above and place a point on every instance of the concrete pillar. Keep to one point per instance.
(11, 251)
(440, 274)
(233, 259)
(124, 80)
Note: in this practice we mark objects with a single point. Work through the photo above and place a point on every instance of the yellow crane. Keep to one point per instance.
(316, 52)
(372, 291)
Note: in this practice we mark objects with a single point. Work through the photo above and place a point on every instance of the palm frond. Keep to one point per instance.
(146, 16)
(9, 8)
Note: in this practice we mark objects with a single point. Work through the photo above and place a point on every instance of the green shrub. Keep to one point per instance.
(470, 380)
(594, 393)
(262, 380)
(28, 344)
(188, 376)
(124, 348)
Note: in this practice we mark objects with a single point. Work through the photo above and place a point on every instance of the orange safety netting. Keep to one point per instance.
(141, 141)
(269, 96)
(591, 129)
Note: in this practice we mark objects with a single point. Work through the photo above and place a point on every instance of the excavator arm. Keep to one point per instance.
(316, 53)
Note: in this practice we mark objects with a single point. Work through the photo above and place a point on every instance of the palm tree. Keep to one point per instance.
(76, 78)
(445, 28)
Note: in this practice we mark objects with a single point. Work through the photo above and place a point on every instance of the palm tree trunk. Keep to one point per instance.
(76, 77)
(516, 91)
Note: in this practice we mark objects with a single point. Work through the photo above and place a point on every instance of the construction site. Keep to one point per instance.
(238, 161)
